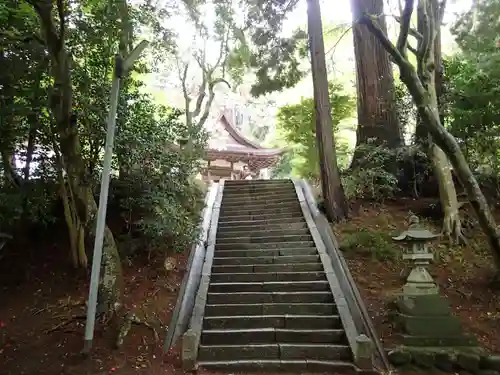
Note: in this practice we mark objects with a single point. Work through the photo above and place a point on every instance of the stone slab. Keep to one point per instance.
(315, 351)
(435, 326)
(446, 341)
(242, 352)
(428, 305)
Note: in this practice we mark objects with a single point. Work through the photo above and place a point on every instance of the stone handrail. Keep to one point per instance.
(357, 308)
(191, 281)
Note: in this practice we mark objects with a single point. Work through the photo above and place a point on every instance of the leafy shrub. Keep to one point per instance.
(156, 190)
(368, 243)
(372, 179)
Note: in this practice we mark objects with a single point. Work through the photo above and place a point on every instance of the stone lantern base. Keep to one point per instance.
(420, 282)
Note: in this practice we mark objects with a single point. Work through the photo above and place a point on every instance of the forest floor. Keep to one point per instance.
(463, 273)
(42, 301)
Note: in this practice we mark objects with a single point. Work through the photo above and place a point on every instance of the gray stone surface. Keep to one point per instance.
(437, 326)
(263, 245)
(491, 362)
(428, 305)
(270, 304)
(363, 354)
(315, 351)
(468, 361)
(322, 336)
(238, 336)
(399, 357)
(230, 352)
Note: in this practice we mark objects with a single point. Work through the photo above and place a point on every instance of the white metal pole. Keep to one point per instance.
(122, 65)
(101, 214)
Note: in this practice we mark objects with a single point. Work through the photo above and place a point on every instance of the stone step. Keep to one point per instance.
(269, 297)
(266, 252)
(245, 221)
(270, 286)
(259, 200)
(258, 181)
(258, 191)
(262, 211)
(263, 268)
(261, 216)
(256, 205)
(261, 226)
(293, 366)
(271, 309)
(274, 351)
(263, 245)
(284, 259)
(265, 239)
(273, 321)
(266, 276)
(264, 185)
(263, 233)
(257, 197)
(272, 335)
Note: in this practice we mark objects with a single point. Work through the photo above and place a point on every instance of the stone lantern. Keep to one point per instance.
(416, 238)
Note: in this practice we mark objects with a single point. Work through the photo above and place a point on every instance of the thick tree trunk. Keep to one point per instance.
(430, 117)
(333, 192)
(83, 207)
(377, 117)
(452, 225)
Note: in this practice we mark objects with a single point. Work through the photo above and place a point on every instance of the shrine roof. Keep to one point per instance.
(225, 138)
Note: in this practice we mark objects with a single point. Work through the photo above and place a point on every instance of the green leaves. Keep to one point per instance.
(297, 125)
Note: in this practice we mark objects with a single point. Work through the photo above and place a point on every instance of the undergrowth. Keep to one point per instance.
(365, 242)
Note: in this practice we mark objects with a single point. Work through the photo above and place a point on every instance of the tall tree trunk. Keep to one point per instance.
(333, 192)
(452, 226)
(83, 208)
(419, 91)
(377, 117)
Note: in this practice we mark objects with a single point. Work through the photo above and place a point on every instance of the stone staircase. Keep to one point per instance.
(269, 304)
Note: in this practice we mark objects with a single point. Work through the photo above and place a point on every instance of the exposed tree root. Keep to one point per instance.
(64, 323)
(129, 319)
(452, 229)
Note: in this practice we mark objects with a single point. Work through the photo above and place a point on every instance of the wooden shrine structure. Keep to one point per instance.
(229, 152)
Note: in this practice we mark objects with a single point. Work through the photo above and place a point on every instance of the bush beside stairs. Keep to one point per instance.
(269, 305)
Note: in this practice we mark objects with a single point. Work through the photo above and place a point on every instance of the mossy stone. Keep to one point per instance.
(490, 362)
(423, 359)
(468, 361)
(444, 361)
(399, 357)
(488, 372)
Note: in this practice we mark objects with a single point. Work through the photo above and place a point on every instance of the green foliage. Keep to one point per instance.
(364, 242)
(374, 180)
(262, 47)
(297, 126)
(154, 190)
(473, 103)
(405, 108)
(156, 187)
(472, 79)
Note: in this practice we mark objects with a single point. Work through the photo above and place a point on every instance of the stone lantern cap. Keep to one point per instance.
(415, 233)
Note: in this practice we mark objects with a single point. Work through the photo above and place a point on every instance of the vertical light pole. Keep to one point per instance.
(122, 66)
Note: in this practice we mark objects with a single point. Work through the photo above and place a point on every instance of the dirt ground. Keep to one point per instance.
(463, 273)
(42, 302)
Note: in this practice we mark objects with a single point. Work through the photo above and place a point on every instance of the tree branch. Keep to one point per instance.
(411, 31)
(62, 20)
(405, 27)
(372, 25)
(211, 97)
